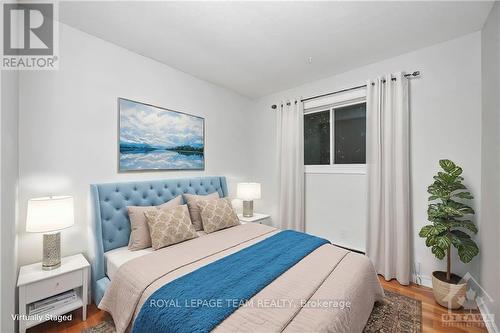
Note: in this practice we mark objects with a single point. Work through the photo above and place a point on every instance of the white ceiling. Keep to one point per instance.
(256, 48)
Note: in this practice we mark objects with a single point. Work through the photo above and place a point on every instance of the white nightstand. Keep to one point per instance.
(256, 218)
(36, 284)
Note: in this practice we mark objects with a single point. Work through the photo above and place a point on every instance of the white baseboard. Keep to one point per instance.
(490, 326)
(426, 281)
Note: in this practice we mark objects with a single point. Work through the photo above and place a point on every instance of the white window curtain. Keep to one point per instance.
(290, 161)
(387, 138)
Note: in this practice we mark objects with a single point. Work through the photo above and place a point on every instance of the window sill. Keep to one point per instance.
(359, 169)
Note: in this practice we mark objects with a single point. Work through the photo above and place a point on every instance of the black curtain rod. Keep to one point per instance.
(414, 74)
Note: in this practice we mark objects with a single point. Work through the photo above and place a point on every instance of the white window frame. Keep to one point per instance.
(331, 103)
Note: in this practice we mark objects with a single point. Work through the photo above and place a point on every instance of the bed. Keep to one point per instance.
(328, 290)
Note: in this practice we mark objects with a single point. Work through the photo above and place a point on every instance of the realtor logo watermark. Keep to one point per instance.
(470, 314)
(30, 36)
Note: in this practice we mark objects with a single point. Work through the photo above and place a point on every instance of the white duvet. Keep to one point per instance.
(330, 290)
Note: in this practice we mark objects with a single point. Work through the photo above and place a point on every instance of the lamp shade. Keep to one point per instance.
(49, 214)
(248, 191)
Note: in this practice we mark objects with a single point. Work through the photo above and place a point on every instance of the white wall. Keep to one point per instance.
(489, 231)
(68, 127)
(345, 225)
(9, 195)
(445, 123)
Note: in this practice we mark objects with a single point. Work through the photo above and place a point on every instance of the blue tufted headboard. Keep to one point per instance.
(111, 225)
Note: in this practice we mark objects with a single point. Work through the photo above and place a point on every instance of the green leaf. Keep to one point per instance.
(456, 186)
(439, 228)
(460, 234)
(439, 192)
(440, 220)
(446, 178)
(466, 224)
(430, 241)
(438, 252)
(444, 242)
(469, 225)
(436, 211)
(467, 248)
(426, 230)
(457, 171)
(463, 195)
(451, 211)
(447, 165)
(468, 251)
(450, 167)
(457, 209)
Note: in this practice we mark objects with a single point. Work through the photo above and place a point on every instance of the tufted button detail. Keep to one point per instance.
(115, 197)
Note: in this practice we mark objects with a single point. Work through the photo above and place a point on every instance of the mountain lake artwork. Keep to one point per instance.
(154, 138)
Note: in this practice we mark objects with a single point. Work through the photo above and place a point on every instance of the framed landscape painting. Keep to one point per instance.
(154, 138)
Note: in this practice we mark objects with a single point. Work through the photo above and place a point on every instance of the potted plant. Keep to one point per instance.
(451, 226)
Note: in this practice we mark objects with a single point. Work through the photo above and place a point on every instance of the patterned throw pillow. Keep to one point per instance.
(169, 226)
(139, 234)
(192, 202)
(217, 214)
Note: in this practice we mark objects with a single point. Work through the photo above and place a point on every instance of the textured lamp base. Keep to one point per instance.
(247, 208)
(51, 251)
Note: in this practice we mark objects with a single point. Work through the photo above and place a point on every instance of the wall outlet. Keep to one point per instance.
(416, 271)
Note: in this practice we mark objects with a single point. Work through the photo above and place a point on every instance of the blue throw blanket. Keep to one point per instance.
(202, 299)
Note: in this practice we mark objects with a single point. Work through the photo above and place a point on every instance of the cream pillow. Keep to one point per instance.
(169, 226)
(217, 214)
(192, 202)
(139, 234)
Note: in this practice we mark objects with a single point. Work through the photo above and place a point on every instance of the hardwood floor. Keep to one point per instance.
(431, 314)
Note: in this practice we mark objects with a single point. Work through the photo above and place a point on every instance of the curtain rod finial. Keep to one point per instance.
(273, 106)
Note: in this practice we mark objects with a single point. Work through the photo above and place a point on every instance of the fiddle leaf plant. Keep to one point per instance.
(450, 217)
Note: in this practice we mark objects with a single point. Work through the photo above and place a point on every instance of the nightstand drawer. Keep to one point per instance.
(53, 286)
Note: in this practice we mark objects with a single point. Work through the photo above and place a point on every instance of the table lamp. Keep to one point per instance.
(248, 192)
(49, 215)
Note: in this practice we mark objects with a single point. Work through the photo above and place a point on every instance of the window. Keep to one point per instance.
(317, 138)
(350, 132)
(335, 138)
